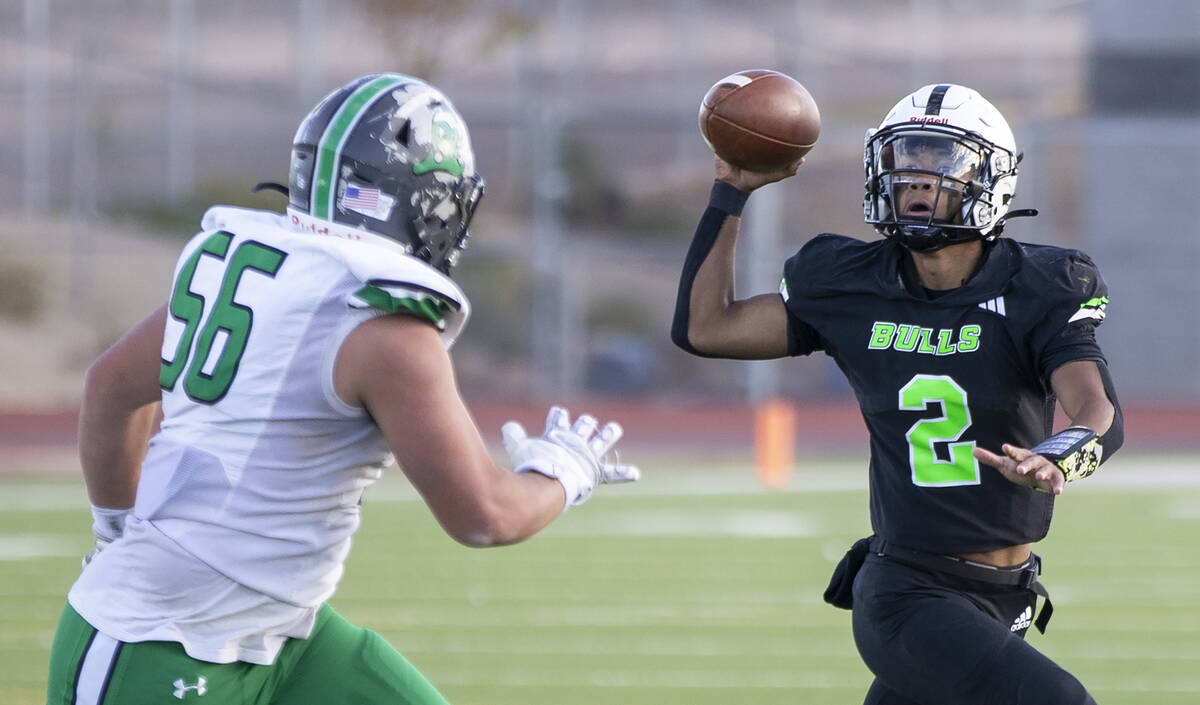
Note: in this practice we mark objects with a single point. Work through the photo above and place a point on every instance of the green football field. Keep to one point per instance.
(694, 586)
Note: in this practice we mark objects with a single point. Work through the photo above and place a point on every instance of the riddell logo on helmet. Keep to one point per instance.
(934, 120)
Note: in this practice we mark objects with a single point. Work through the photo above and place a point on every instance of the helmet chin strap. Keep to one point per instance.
(1021, 213)
(934, 238)
(937, 238)
(270, 186)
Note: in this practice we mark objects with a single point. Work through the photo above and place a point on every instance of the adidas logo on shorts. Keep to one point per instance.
(1023, 620)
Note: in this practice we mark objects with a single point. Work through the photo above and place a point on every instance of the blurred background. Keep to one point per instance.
(125, 119)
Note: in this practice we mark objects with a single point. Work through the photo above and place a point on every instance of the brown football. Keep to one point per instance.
(759, 120)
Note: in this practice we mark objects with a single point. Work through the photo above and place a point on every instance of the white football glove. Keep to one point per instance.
(108, 525)
(573, 455)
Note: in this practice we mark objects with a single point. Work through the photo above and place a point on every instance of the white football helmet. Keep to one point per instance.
(953, 146)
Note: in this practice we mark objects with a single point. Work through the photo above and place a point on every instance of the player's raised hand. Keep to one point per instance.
(598, 444)
(745, 180)
(574, 454)
(1024, 467)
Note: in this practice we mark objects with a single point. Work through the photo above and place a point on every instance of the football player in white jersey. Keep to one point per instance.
(297, 355)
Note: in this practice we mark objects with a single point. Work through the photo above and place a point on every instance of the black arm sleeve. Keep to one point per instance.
(1114, 437)
(723, 201)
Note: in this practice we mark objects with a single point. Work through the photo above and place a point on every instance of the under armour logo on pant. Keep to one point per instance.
(181, 687)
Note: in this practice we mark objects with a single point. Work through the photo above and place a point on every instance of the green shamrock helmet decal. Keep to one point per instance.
(445, 150)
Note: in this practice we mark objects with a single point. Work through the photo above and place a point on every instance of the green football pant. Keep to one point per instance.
(340, 664)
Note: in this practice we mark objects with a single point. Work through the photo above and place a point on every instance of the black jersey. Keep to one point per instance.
(936, 375)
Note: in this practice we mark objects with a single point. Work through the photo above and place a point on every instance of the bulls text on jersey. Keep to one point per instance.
(907, 337)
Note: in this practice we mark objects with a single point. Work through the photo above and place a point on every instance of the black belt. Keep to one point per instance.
(1023, 576)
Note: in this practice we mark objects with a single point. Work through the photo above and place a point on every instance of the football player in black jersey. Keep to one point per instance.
(957, 344)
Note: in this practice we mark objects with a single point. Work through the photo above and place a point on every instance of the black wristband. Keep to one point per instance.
(727, 198)
(1077, 451)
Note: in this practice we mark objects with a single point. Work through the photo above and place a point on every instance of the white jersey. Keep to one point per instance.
(250, 491)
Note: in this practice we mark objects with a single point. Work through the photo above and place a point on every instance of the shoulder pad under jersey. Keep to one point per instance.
(394, 282)
(235, 219)
(1066, 277)
(831, 264)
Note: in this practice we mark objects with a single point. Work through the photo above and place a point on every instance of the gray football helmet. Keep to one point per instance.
(389, 154)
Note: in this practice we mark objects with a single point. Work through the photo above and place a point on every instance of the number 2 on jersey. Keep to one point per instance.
(928, 470)
(226, 316)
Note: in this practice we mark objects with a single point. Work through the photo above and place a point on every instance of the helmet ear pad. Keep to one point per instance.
(300, 173)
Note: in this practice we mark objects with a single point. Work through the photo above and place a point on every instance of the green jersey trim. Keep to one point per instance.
(1095, 308)
(417, 303)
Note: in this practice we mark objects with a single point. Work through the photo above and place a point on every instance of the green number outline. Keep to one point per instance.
(187, 307)
(927, 469)
(235, 319)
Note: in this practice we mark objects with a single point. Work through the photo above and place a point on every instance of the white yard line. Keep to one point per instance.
(1134, 472)
(28, 546)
